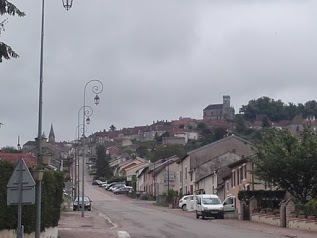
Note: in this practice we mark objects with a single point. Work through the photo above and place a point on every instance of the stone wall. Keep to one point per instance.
(48, 233)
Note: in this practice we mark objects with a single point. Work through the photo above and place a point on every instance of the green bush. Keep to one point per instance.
(265, 198)
(117, 179)
(308, 209)
(52, 197)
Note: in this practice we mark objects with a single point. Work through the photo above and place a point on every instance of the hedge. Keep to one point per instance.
(52, 198)
(265, 198)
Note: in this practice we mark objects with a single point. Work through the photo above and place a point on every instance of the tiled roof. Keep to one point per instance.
(30, 160)
(214, 106)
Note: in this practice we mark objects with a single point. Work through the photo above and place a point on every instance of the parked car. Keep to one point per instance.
(112, 184)
(209, 205)
(77, 204)
(102, 184)
(182, 203)
(123, 190)
(116, 186)
(96, 182)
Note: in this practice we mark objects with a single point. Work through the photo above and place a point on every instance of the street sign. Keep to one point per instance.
(27, 179)
(21, 186)
(28, 196)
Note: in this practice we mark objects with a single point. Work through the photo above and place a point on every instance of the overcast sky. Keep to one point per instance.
(157, 60)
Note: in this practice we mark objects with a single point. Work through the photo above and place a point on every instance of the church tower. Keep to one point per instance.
(51, 137)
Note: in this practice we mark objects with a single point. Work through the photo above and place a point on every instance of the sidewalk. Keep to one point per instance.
(265, 228)
(93, 224)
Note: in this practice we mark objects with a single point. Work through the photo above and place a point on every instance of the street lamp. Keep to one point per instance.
(97, 88)
(38, 199)
(76, 169)
(88, 111)
(67, 4)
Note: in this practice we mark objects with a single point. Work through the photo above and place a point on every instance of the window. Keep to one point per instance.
(241, 173)
(227, 183)
(181, 176)
(185, 189)
(245, 171)
(238, 176)
(191, 176)
(185, 172)
(233, 177)
(229, 201)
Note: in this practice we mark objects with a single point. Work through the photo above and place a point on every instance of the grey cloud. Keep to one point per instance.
(157, 60)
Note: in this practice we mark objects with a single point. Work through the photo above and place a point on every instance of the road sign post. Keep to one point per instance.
(20, 191)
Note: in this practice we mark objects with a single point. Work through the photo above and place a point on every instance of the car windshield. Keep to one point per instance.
(211, 201)
(86, 199)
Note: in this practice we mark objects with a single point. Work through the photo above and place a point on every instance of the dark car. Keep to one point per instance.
(77, 204)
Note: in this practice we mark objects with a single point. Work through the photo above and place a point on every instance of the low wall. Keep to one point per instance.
(231, 215)
(302, 224)
(48, 233)
(266, 219)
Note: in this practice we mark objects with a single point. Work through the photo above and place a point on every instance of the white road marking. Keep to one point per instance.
(114, 226)
(123, 234)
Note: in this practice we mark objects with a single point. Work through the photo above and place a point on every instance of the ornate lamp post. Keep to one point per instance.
(97, 88)
(38, 199)
(79, 128)
(88, 111)
(67, 4)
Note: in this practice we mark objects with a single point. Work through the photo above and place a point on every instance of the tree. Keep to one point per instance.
(112, 128)
(159, 139)
(163, 152)
(265, 122)
(10, 149)
(8, 8)
(142, 151)
(288, 162)
(103, 169)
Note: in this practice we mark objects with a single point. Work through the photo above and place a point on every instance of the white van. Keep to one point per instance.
(209, 205)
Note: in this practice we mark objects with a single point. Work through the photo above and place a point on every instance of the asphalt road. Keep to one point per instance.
(119, 216)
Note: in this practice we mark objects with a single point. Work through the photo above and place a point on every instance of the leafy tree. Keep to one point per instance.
(240, 123)
(201, 126)
(218, 133)
(277, 110)
(103, 169)
(288, 162)
(163, 152)
(159, 139)
(142, 151)
(10, 149)
(112, 128)
(6, 52)
(265, 122)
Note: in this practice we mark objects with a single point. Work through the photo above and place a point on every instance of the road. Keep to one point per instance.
(119, 216)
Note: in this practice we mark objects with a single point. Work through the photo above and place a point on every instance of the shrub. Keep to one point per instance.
(265, 198)
(52, 197)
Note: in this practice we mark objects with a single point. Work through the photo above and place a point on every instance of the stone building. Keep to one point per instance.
(219, 111)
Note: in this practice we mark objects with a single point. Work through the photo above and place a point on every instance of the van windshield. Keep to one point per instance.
(210, 201)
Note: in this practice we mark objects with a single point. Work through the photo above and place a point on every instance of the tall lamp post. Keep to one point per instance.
(67, 4)
(88, 111)
(97, 88)
(81, 128)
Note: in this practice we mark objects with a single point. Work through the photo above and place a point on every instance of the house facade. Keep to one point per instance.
(198, 169)
(186, 176)
(165, 176)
